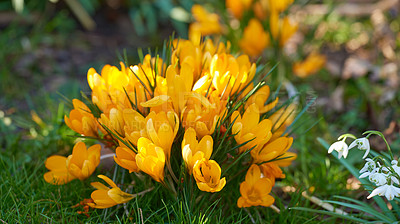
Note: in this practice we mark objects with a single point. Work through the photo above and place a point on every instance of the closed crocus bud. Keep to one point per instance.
(83, 162)
(207, 174)
(81, 120)
(193, 150)
(151, 159)
(272, 149)
(105, 197)
(255, 189)
(162, 128)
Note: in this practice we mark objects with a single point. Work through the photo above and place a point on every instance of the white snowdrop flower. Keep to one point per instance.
(378, 179)
(389, 191)
(369, 168)
(362, 144)
(395, 167)
(341, 147)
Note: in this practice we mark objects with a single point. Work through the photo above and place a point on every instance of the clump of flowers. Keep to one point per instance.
(198, 115)
(382, 171)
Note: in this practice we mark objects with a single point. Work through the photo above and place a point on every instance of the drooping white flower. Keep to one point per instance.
(389, 191)
(395, 167)
(362, 144)
(378, 179)
(341, 147)
(369, 168)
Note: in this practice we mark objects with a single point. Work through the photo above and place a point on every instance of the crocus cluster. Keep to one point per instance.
(164, 112)
(384, 175)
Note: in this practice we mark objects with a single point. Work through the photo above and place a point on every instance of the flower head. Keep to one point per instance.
(105, 197)
(150, 159)
(249, 128)
(362, 144)
(369, 168)
(126, 158)
(378, 179)
(207, 174)
(254, 39)
(193, 150)
(341, 147)
(162, 128)
(272, 150)
(388, 190)
(81, 164)
(58, 173)
(255, 189)
(81, 120)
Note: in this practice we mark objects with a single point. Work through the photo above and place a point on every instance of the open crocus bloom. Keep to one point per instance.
(207, 174)
(58, 173)
(105, 197)
(83, 162)
(249, 128)
(255, 189)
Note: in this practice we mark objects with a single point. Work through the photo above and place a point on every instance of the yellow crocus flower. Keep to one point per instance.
(126, 158)
(151, 159)
(312, 64)
(230, 74)
(105, 197)
(113, 119)
(281, 28)
(193, 150)
(81, 120)
(83, 162)
(255, 189)
(207, 174)
(58, 173)
(254, 39)
(271, 150)
(203, 115)
(162, 128)
(249, 128)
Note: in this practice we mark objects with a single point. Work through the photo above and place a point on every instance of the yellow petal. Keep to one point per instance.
(156, 101)
(56, 163)
(108, 180)
(58, 177)
(99, 186)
